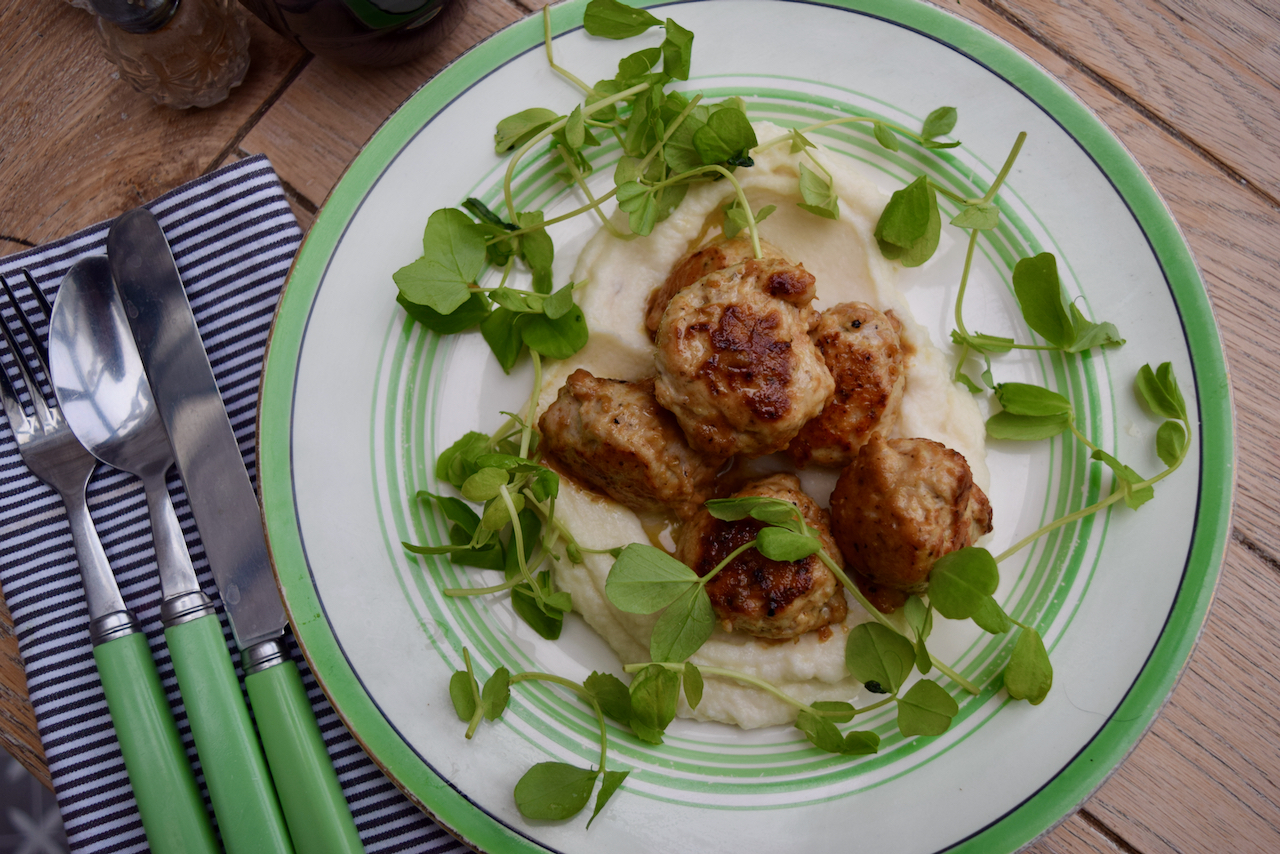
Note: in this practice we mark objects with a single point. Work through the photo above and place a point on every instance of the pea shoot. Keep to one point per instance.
(505, 519)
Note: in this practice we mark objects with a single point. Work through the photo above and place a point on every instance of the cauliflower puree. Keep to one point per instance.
(842, 254)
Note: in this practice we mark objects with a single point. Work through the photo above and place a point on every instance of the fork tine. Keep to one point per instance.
(34, 391)
(41, 351)
(9, 397)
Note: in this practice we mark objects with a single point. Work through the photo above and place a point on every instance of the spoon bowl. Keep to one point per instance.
(99, 379)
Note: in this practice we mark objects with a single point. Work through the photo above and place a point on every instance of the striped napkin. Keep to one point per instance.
(234, 237)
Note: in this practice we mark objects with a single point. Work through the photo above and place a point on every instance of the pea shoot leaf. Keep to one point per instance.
(496, 693)
(1026, 399)
(612, 694)
(1171, 442)
(556, 338)
(453, 256)
(463, 691)
(684, 626)
(940, 122)
(645, 579)
(919, 618)
(982, 217)
(638, 64)
(554, 791)
(909, 227)
(885, 136)
(1046, 310)
(654, 692)
(926, 709)
(677, 48)
(735, 218)
(514, 131)
(457, 463)
(961, 581)
(772, 511)
(608, 785)
(501, 331)
(1127, 479)
(484, 484)
(693, 684)
(1007, 425)
(469, 314)
(991, 618)
(727, 137)
(1029, 673)
(613, 20)
(819, 197)
(496, 515)
(1158, 390)
(875, 653)
(679, 152)
(544, 619)
(783, 545)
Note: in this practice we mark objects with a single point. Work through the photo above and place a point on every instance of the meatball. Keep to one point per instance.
(861, 349)
(695, 265)
(762, 597)
(612, 436)
(735, 362)
(901, 505)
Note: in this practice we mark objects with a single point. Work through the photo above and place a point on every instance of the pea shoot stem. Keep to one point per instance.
(582, 692)
(757, 682)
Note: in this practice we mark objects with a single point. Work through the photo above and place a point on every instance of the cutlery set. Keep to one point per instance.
(134, 389)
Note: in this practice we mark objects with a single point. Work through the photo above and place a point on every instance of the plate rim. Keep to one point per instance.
(1150, 688)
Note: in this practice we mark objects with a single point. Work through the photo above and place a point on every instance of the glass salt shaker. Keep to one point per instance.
(182, 53)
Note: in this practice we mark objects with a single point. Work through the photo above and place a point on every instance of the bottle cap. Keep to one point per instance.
(136, 16)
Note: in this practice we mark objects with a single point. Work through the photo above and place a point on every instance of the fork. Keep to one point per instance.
(172, 811)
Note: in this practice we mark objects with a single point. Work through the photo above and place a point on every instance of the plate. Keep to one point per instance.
(357, 401)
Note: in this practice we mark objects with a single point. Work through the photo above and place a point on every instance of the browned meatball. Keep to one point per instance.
(861, 349)
(613, 436)
(735, 362)
(901, 505)
(695, 265)
(762, 597)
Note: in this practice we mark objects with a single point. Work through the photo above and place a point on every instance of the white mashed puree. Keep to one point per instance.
(843, 256)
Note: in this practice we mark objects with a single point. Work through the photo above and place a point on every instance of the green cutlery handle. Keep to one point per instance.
(314, 805)
(244, 800)
(173, 813)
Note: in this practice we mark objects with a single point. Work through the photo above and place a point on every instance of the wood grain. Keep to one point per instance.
(18, 730)
(1208, 72)
(1207, 775)
(77, 145)
(318, 126)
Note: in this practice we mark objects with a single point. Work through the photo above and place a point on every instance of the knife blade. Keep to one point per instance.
(229, 519)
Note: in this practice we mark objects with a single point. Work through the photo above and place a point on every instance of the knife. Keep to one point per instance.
(228, 516)
(98, 378)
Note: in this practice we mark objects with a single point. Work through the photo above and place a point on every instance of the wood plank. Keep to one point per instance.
(18, 731)
(1205, 778)
(315, 130)
(77, 145)
(1211, 70)
(1079, 834)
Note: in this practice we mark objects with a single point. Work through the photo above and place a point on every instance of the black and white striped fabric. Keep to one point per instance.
(234, 237)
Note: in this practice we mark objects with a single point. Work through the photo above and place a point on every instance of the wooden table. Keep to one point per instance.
(1192, 87)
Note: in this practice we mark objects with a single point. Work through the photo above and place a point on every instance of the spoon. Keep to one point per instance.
(103, 391)
(102, 388)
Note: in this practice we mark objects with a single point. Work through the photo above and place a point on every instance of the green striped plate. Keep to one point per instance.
(357, 402)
